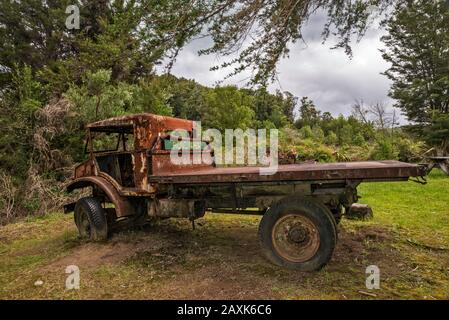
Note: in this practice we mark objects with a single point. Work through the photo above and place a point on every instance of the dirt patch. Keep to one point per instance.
(223, 261)
(216, 282)
(367, 245)
(91, 255)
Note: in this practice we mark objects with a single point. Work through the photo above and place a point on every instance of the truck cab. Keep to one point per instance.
(125, 151)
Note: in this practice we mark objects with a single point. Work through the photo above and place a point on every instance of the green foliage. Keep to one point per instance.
(228, 108)
(333, 131)
(148, 96)
(318, 134)
(186, 98)
(276, 109)
(127, 37)
(308, 113)
(437, 133)
(359, 140)
(97, 98)
(409, 150)
(17, 121)
(331, 138)
(309, 150)
(31, 33)
(288, 137)
(345, 136)
(306, 132)
(384, 149)
(417, 48)
(270, 26)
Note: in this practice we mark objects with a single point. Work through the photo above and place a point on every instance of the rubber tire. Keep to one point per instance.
(320, 216)
(96, 216)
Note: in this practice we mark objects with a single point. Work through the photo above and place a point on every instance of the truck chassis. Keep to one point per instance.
(301, 205)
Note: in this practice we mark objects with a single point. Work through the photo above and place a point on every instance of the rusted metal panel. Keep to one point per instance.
(370, 170)
(140, 168)
(181, 208)
(122, 205)
(146, 129)
(85, 169)
(161, 164)
(158, 122)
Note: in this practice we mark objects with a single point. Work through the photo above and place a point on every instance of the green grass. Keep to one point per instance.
(221, 258)
(422, 211)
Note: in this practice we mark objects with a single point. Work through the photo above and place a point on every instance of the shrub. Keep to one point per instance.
(310, 150)
(408, 149)
(355, 153)
(8, 197)
(384, 149)
(318, 134)
(306, 132)
(324, 154)
(345, 136)
(331, 138)
(359, 140)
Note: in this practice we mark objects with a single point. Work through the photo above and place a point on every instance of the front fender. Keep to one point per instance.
(122, 205)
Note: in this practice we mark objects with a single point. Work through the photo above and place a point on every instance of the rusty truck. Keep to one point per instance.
(130, 180)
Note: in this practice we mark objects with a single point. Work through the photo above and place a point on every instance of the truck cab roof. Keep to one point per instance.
(155, 123)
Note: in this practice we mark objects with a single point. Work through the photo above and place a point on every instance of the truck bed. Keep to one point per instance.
(365, 171)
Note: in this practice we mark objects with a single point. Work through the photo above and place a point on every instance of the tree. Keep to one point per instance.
(127, 37)
(289, 102)
(417, 46)
(308, 113)
(31, 33)
(382, 118)
(360, 112)
(130, 36)
(260, 31)
(376, 114)
(228, 108)
(359, 140)
(275, 108)
(17, 121)
(346, 135)
(438, 132)
(306, 132)
(331, 138)
(318, 134)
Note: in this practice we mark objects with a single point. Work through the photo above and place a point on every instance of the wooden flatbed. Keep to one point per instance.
(365, 171)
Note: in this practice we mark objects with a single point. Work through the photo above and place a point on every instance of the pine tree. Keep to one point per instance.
(418, 50)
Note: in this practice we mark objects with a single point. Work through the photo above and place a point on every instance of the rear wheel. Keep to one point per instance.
(298, 233)
(90, 219)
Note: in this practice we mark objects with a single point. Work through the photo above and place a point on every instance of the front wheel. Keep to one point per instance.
(90, 219)
(298, 233)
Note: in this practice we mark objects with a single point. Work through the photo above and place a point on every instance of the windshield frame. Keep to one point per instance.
(121, 139)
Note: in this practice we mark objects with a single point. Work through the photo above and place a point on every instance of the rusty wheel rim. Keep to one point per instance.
(295, 238)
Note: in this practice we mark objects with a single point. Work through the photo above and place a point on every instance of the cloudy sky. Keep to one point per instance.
(331, 79)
